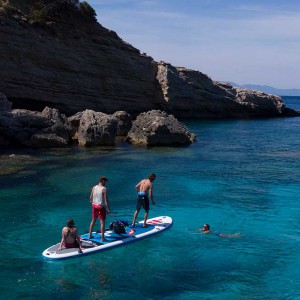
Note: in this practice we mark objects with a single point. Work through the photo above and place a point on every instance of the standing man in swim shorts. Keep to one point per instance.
(144, 188)
(100, 206)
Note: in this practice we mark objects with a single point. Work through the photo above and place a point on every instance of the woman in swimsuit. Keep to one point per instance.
(70, 237)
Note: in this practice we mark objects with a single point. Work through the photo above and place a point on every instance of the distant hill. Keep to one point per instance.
(269, 89)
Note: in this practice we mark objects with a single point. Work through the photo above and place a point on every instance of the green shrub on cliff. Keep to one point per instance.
(9, 9)
(42, 11)
(38, 15)
(87, 9)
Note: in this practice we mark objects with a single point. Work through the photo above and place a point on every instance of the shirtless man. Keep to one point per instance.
(144, 188)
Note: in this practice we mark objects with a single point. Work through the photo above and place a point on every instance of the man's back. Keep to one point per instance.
(145, 185)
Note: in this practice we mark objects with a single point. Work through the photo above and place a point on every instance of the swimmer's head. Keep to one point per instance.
(206, 227)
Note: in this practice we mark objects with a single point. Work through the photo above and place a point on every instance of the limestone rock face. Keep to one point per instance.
(31, 119)
(49, 121)
(8, 126)
(51, 129)
(96, 128)
(54, 55)
(157, 128)
(192, 94)
(25, 128)
(75, 119)
(5, 105)
(124, 121)
(71, 63)
(50, 140)
(259, 103)
(60, 125)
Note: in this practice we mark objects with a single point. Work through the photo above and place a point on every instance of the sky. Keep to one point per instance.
(242, 41)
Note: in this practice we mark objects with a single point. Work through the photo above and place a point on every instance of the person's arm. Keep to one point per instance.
(137, 187)
(78, 239)
(151, 194)
(62, 239)
(106, 200)
(91, 196)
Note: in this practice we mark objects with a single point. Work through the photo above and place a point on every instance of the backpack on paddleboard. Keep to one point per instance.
(118, 226)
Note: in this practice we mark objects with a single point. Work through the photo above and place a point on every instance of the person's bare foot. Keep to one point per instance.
(145, 225)
(105, 240)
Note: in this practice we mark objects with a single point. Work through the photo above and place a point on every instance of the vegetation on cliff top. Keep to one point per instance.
(42, 11)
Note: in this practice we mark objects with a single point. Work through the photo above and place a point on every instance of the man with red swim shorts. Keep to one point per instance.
(100, 205)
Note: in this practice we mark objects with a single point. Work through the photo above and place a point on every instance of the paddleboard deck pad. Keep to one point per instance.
(94, 244)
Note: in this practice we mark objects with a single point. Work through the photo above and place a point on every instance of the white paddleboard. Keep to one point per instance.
(155, 225)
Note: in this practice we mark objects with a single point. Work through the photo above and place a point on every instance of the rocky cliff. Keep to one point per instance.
(54, 53)
(193, 94)
(71, 62)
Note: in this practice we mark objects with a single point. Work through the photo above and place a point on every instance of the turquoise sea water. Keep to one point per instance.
(241, 176)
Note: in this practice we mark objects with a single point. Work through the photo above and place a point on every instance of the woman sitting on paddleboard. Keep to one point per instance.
(70, 237)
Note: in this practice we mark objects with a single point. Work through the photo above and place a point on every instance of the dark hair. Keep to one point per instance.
(102, 178)
(207, 225)
(151, 177)
(70, 223)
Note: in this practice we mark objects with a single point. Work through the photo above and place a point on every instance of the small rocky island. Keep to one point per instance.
(65, 79)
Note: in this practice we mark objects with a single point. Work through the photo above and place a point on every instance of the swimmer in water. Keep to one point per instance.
(206, 230)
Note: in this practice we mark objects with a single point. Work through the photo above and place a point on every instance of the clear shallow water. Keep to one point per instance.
(241, 176)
